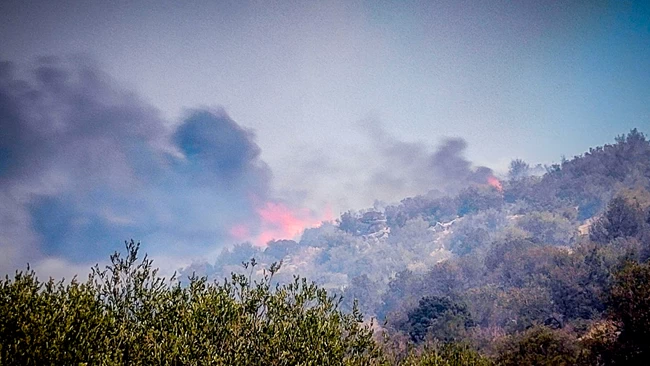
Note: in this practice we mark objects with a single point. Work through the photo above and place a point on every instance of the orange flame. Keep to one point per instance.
(280, 222)
(494, 182)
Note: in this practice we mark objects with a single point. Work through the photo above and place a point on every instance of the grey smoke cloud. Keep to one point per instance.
(224, 151)
(85, 165)
(384, 170)
(412, 168)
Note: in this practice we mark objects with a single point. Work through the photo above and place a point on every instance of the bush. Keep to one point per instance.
(439, 318)
(446, 355)
(629, 307)
(127, 314)
(539, 346)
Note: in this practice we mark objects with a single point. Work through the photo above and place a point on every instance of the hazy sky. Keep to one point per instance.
(309, 86)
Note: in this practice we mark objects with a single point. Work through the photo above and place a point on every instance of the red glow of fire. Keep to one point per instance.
(239, 232)
(494, 182)
(278, 221)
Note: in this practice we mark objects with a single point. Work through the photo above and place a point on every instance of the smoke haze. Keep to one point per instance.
(85, 164)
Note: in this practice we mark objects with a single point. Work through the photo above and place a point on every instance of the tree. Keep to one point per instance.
(474, 199)
(127, 314)
(439, 318)
(539, 346)
(466, 238)
(51, 323)
(365, 292)
(622, 219)
(629, 304)
(348, 222)
(518, 169)
(278, 249)
(448, 354)
(549, 228)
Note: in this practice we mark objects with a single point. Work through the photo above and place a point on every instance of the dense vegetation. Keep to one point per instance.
(552, 269)
(126, 314)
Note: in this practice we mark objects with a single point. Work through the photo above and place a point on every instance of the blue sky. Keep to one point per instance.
(311, 83)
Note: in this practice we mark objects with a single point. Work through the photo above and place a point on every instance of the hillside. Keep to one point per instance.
(542, 250)
(535, 270)
(554, 209)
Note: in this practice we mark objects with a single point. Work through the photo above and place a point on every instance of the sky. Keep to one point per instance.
(192, 125)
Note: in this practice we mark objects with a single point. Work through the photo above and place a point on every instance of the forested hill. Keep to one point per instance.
(538, 269)
(376, 244)
(588, 181)
(486, 262)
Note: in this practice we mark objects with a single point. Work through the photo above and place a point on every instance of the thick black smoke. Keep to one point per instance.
(84, 165)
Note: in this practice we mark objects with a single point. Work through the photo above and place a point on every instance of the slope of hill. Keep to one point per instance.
(532, 271)
(530, 248)
(374, 246)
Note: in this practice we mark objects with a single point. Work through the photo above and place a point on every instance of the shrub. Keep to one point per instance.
(127, 314)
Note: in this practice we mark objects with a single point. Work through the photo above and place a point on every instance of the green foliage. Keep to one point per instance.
(438, 318)
(630, 306)
(348, 222)
(503, 252)
(450, 354)
(539, 346)
(126, 314)
(512, 309)
(278, 249)
(365, 292)
(432, 210)
(51, 323)
(589, 181)
(513, 260)
(549, 227)
(622, 219)
(467, 240)
(474, 199)
(475, 232)
(400, 293)
(414, 238)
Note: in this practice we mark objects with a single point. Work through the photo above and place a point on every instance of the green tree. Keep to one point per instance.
(449, 354)
(549, 228)
(621, 219)
(438, 318)
(51, 323)
(629, 305)
(474, 199)
(540, 346)
(127, 315)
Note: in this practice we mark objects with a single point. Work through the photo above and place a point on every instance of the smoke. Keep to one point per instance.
(85, 165)
(381, 169)
(409, 168)
(221, 151)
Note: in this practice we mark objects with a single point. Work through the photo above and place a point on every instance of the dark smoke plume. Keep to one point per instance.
(85, 164)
